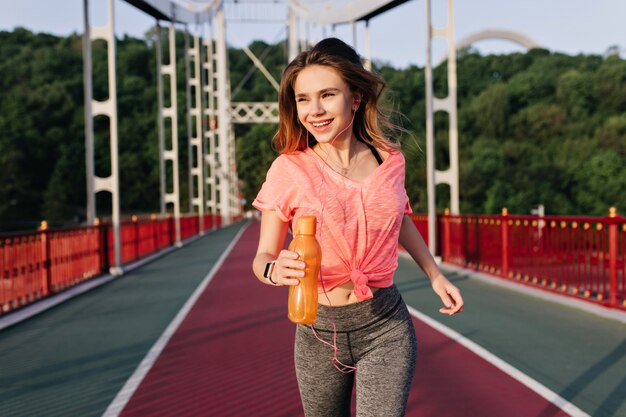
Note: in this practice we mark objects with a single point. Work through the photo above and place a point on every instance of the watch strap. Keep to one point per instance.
(269, 268)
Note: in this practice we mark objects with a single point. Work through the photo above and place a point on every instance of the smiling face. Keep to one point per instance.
(324, 103)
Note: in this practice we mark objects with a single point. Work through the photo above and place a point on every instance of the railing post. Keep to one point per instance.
(155, 230)
(104, 245)
(612, 257)
(46, 282)
(170, 227)
(445, 251)
(136, 230)
(504, 226)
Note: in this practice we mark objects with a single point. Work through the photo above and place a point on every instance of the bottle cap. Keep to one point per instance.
(306, 225)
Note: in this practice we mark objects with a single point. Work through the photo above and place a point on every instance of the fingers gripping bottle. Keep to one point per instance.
(302, 304)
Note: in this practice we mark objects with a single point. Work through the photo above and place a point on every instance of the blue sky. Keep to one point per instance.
(570, 26)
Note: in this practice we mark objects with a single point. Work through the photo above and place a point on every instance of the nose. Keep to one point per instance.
(316, 107)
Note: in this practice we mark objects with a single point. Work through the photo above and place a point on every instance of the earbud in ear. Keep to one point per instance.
(355, 107)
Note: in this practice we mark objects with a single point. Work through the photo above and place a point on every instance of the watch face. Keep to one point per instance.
(268, 269)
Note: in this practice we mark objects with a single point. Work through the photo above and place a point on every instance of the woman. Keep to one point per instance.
(335, 163)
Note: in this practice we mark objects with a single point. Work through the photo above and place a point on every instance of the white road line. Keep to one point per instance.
(121, 399)
(513, 372)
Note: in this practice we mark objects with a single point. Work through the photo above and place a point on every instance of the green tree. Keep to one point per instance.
(600, 182)
(254, 157)
(534, 127)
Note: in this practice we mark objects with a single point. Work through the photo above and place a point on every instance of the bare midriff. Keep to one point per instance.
(341, 295)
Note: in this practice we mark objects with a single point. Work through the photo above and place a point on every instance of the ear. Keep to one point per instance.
(357, 101)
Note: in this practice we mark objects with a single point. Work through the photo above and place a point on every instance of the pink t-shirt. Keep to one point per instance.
(358, 222)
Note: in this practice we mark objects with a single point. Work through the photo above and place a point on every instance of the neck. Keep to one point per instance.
(341, 150)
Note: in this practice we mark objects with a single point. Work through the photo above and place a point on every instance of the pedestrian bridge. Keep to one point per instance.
(163, 316)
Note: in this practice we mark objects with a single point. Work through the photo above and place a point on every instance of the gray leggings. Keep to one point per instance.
(377, 337)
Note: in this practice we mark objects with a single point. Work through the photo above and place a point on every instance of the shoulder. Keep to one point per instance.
(288, 158)
(297, 157)
(394, 164)
(286, 164)
(393, 157)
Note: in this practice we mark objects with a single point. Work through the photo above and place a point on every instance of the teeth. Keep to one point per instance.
(322, 124)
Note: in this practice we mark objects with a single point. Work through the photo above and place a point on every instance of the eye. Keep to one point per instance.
(300, 99)
(327, 95)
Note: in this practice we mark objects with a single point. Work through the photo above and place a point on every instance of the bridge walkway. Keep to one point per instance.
(193, 334)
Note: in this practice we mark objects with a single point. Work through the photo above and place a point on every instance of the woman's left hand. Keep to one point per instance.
(449, 294)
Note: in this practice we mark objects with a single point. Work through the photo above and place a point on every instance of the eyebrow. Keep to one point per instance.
(325, 90)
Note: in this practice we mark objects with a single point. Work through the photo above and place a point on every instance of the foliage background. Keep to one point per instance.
(535, 127)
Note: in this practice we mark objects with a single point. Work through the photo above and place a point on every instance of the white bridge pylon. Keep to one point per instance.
(213, 179)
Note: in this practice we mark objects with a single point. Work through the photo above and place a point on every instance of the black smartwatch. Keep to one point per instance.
(269, 268)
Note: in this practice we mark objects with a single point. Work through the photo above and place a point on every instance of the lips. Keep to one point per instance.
(321, 123)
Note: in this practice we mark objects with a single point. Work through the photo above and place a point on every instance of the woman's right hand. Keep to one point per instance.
(287, 268)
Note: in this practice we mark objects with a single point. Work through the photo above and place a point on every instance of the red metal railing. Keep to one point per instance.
(21, 265)
(72, 256)
(36, 264)
(581, 257)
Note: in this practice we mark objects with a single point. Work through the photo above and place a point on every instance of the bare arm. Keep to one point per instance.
(271, 241)
(414, 244)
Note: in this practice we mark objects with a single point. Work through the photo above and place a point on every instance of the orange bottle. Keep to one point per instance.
(302, 304)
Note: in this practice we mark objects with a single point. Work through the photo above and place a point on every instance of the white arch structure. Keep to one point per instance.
(501, 34)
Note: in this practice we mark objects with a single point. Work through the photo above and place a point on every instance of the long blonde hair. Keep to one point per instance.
(370, 123)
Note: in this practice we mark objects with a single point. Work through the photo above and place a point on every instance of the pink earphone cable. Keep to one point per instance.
(340, 366)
